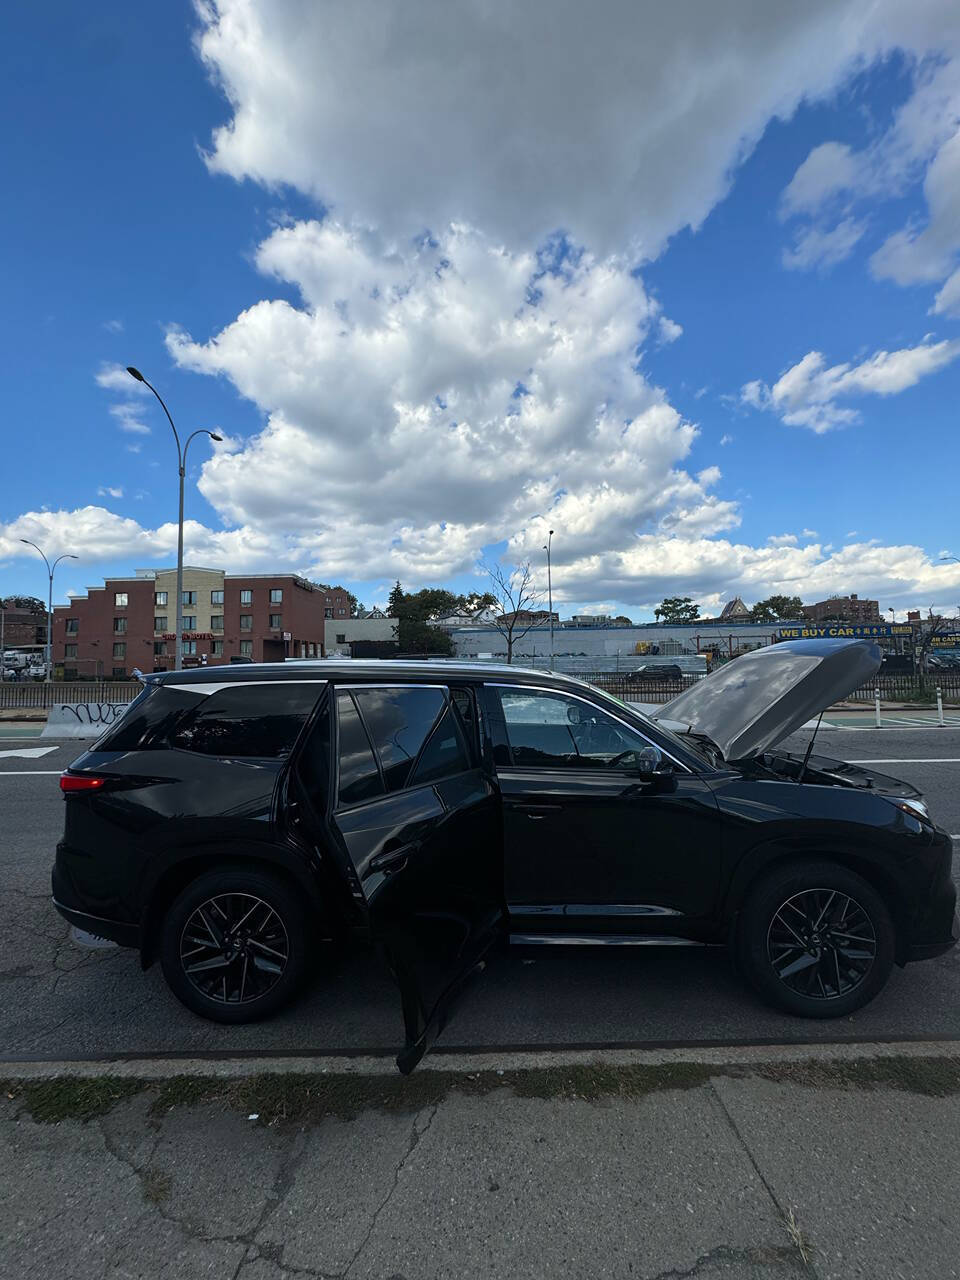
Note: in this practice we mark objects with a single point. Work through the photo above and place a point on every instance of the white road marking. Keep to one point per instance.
(28, 753)
(912, 760)
(30, 773)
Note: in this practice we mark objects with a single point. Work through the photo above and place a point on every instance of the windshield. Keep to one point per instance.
(654, 728)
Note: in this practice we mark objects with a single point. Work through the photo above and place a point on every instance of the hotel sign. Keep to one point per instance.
(846, 630)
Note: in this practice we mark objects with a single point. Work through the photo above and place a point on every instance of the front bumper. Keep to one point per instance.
(935, 929)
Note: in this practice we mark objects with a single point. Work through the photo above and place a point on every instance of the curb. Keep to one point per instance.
(167, 1067)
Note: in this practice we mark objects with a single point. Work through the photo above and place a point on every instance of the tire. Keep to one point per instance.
(241, 977)
(848, 953)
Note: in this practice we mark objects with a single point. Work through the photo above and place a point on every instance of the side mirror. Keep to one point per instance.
(650, 762)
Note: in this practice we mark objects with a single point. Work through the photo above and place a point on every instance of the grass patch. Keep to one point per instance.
(72, 1097)
(305, 1099)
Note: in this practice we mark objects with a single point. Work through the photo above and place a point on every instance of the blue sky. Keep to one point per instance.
(222, 265)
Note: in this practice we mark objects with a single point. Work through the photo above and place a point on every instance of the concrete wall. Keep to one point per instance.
(377, 629)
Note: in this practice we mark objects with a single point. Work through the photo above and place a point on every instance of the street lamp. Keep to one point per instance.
(182, 465)
(546, 548)
(50, 569)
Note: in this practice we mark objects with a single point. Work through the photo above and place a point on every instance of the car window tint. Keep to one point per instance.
(462, 699)
(253, 720)
(553, 730)
(444, 754)
(313, 764)
(398, 721)
(150, 718)
(359, 776)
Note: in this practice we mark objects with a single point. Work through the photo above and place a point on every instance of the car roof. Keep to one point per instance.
(357, 669)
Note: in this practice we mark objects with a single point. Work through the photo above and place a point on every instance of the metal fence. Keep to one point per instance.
(37, 695)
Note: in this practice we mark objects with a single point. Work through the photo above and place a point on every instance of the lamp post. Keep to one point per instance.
(50, 569)
(182, 467)
(546, 548)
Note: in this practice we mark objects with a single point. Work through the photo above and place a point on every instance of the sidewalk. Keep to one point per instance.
(824, 1163)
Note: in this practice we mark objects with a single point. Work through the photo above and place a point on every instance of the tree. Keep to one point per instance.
(777, 609)
(621, 620)
(24, 602)
(677, 609)
(395, 601)
(515, 596)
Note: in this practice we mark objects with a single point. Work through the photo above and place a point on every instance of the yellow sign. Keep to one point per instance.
(846, 630)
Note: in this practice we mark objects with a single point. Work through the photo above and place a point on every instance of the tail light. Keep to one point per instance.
(70, 782)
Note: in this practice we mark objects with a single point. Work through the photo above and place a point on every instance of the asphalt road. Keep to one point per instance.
(59, 999)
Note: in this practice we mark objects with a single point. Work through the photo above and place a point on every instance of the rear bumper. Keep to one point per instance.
(66, 901)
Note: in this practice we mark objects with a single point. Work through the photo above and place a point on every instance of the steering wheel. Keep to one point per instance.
(619, 759)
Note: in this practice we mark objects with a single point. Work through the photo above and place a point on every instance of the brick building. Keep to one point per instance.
(131, 622)
(846, 608)
(24, 628)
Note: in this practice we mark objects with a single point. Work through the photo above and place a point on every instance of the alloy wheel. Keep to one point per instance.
(234, 948)
(821, 943)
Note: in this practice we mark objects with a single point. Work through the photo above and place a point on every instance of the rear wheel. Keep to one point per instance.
(816, 939)
(233, 945)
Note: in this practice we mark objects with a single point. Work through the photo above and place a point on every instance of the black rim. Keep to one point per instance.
(234, 948)
(821, 943)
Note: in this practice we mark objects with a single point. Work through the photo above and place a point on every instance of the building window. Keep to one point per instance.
(216, 622)
(216, 597)
(120, 599)
(246, 648)
(159, 648)
(119, 625)
(73, 626)
(189, 597)
(328, 613)
(120, 649)
(160, 597)
(216, 648)
(276, 595)
(312, 649)
(160, 624)
(276, 621)
(190, 646)
(341, 613)
(246, 597)
(69, 650)
(341, 637)
(190, 622)
(119, 673)
(246, 622)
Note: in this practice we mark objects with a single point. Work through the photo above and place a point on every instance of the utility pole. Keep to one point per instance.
(546, 548)
(50, 568)
(182, 468)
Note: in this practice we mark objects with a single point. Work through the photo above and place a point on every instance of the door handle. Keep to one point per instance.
(539, 809)
(392, 860)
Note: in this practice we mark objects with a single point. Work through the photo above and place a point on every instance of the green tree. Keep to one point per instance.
(777, 609)
(395, 602)
(24, 602)
(677, 609)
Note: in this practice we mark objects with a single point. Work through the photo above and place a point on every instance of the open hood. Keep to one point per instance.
(760, 698)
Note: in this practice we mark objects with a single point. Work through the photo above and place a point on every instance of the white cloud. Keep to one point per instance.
(807, 394)
(624, 125)
(726, 438)
(668, 329)
(828, 170)
(808, 533)
(815, 247)
(113, 326)
(114, 377)
(782, 540)
(128, 418)
(922, 142)
(947, 301)
(110, 491)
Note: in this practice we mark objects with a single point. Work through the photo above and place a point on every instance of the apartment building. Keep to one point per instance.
(130, 622)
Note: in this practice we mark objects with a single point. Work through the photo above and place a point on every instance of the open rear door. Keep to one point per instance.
(419, 824)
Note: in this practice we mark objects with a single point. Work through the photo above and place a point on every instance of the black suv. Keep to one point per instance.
(235, 816)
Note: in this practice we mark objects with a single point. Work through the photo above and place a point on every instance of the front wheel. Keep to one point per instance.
(233, 945)
(816, 939)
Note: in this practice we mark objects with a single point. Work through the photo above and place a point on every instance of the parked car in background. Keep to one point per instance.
(234, 817)
(656, 671)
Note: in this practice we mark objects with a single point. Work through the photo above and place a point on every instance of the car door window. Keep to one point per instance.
(553, 730)
(256, 720)
(398, 721)
(445, 753)
(359, 772)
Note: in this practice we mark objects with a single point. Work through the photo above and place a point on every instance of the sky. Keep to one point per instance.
(681, 283)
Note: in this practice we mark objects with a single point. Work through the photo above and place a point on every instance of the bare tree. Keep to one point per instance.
(516, 598)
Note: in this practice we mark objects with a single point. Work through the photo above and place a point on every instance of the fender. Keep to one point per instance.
(314, 876)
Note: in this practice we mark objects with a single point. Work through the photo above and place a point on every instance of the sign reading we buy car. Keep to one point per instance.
(845, 630)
